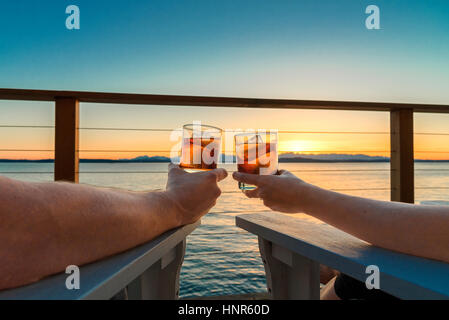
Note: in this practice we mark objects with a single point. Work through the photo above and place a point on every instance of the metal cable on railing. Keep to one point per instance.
(230, 171)
(298, 152)
(24, 172)
(231, 130)
(431, 134)
(27, 150)
(30, 126)
(236, 131)
(230, 152)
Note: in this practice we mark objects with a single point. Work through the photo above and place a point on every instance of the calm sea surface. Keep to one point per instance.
(222, 259)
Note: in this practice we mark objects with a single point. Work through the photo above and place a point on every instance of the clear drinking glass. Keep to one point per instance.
(200, 147)
(256, 153)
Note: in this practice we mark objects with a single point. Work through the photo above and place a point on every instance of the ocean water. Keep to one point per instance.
(220, 258)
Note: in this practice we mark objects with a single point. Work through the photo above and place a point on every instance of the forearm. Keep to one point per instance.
(48, 226)
(413, 229)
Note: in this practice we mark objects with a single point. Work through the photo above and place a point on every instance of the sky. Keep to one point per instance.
(266, 49)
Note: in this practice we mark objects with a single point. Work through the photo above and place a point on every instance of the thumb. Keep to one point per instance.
(175, 169)
(220, 173)
(285, 173)
(254, 179)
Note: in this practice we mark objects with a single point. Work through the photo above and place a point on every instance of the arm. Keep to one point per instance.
(413, 229)
(44, 227)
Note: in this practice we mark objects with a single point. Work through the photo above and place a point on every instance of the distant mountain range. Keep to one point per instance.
(285, 157)
(133, 160)
(330, 157)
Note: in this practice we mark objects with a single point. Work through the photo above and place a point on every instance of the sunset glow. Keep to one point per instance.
(301, 146)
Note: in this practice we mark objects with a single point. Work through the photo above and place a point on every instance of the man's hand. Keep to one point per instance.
(194, 194)
(281, 192)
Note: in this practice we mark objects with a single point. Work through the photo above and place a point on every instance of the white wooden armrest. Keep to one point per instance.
(151, 271)
(292, 249)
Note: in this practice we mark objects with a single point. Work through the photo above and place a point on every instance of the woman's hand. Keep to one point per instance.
(194, 194)
(281, 192)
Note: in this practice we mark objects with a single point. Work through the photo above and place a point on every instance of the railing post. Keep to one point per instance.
(402, 156)
(66, 139)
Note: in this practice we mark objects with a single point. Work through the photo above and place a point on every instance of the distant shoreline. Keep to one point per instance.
(302, 160)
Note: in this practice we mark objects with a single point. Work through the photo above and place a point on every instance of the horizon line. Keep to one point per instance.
(301, 157)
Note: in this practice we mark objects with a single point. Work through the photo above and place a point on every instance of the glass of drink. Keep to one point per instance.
(200, 147)
(256, 153)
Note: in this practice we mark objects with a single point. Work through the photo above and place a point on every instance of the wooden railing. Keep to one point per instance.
(67, 124)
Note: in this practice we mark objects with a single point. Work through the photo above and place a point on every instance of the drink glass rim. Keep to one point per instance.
(255, 133)
(189, 126)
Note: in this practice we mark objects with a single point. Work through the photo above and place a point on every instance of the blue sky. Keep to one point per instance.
(292, 49)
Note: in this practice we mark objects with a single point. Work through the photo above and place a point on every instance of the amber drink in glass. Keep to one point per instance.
(256, 153)
(200, 147)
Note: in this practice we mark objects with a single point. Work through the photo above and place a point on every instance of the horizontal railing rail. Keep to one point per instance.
(205, 101)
